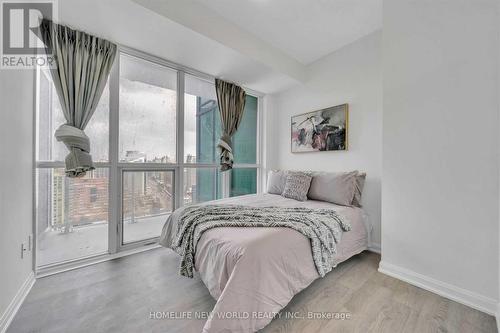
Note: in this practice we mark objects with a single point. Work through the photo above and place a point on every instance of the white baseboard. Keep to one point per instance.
(457, 294)
(375, 248)
(16, 303)
(498, 317)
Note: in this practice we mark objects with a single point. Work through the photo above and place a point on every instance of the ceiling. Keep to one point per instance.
(306, 30)
(127, 23)
(279, 38)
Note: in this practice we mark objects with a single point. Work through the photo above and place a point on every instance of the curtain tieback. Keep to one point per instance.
(226, 156)
(78, 161)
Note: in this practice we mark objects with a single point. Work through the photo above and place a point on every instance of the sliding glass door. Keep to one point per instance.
(154, 142)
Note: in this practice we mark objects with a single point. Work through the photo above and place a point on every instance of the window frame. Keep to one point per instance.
(116, 169)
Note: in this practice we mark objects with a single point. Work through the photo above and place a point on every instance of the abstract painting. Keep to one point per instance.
(321, 130)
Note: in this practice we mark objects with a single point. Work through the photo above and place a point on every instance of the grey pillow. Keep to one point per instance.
(334, 187)
(360, 183)
(276, 181)
(297, 185)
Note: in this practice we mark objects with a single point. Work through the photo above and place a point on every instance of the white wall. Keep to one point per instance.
(498, 94)
(440, 143)
(269, 136)
(351, 75)
(16, 183)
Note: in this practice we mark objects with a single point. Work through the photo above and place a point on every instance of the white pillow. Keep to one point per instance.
(276, 181)
(360, 183)
(334, 187)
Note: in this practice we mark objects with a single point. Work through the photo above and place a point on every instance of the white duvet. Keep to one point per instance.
(254, 272)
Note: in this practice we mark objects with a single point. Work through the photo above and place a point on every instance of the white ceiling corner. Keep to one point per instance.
(283, 36)
(305, 30)
(194, 15)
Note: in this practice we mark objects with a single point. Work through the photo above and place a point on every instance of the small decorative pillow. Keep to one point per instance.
(276, 181)
(297, 185)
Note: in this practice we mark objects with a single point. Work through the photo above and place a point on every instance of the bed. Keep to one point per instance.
(253, 272)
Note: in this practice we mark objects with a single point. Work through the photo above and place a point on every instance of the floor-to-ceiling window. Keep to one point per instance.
(147, 130)
(244, 175)
(154, 143)
(201, 133)
(72, 213)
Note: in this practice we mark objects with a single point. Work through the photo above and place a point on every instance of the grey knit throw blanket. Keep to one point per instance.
(323, 227)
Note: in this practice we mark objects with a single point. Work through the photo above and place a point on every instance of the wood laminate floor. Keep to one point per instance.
(119, 295)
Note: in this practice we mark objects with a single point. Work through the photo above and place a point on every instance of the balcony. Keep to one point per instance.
(59, 245)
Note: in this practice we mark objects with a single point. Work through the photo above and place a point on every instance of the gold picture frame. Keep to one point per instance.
(321, 130)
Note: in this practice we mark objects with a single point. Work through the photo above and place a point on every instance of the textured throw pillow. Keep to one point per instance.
(297, 185)
(276, 181)
(360, 183)
(334, 187)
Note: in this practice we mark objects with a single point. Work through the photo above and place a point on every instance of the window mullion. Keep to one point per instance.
(114, 225)
(179, 177)
(226, 183)
(261, 177)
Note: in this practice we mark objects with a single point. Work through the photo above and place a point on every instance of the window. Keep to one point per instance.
(243, 181)
(93, 194)
(201, 121)
(71, 214)
(50, 117)
(148, 197)
(245, 139)
(200, 184)
(202, 130)
(148, 103)
(154, 141)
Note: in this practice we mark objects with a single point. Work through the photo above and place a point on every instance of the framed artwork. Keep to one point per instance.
(321, 130)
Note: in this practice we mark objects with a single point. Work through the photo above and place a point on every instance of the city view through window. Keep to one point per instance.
(72, 214)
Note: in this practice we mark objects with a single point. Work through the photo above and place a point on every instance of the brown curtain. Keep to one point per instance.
(83, 64)
(231, 99)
